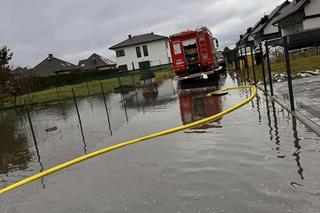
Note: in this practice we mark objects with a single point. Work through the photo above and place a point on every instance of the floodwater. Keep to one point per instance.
(256, 159)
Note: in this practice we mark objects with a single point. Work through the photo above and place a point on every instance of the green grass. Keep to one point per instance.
(81, 90)
(298, 64)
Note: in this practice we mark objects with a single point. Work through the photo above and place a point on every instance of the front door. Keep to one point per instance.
(144, 65)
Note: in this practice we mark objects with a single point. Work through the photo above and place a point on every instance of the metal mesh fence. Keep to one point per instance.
(287, 69)
(39, 135)
(55, 88)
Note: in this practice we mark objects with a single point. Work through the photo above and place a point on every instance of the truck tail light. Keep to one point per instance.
(179, 61)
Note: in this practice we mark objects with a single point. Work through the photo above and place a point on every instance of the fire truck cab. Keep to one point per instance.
(193, 52)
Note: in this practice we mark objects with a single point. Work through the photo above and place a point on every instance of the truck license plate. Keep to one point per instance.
(205, 76)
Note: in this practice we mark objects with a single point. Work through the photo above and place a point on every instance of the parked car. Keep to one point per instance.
(221, 59)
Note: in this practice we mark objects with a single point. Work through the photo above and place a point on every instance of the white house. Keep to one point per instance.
(299, 16)
(141, 51)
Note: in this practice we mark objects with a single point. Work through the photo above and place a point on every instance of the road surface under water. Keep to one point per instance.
(256, 159)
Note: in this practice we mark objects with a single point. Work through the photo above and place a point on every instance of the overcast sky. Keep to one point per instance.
(73, 29)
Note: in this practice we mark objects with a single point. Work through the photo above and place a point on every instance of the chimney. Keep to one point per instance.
(264, 19)
(129, 36)
(151, 33)
(50, 56)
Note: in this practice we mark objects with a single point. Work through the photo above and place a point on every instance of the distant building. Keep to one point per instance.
(21, 71)
(141, 51)
(299, 16)
(266, 30)
(97, 62)
(263, 29)
(52, 66)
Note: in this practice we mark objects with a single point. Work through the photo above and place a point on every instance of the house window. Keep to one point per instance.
(145, 50)
(123, 68)
(120, 53)
(144, 64)
(138, 50)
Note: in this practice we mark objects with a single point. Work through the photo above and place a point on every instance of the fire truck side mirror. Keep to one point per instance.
(217, 42)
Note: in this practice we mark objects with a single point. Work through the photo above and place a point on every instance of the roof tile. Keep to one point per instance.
(139, 39)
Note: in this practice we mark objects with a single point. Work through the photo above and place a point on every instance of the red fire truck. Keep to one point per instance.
(193, 52)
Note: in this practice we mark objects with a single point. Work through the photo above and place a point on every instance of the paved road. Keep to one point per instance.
(307, 96)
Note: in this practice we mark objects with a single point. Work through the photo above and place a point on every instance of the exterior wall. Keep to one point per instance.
(313, 8)
(158, 55)
(311, 23)
(250, 38)
(107, 68)
(269, 29)
(292, 29)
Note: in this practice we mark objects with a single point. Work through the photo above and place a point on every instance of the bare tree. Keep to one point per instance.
(5, 57)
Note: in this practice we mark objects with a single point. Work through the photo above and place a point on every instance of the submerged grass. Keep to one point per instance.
(81, 90)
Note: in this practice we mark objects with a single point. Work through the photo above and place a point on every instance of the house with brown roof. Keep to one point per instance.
(97, 62)
(142, 51)
(21, 71)
(52, 66)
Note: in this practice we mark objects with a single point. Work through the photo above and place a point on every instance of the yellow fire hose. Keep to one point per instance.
(126, 143)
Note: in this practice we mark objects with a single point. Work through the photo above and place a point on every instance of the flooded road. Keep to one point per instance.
(256, 159)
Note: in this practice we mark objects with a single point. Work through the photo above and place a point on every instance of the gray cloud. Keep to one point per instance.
(73, 29)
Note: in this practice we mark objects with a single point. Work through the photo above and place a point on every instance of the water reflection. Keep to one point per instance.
(275, 121)
(239, 165)
(258, 108)
(296, 154)
(236, 78)
(149, 95)
(269, 119)
(14, 149)
(150, 91)
(196, 105)
(276, 131)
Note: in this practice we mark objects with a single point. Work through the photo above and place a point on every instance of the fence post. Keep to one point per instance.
(246, 62)
(79, 118)
(106, 106)
(242, 64)
(243, 73)
(30, 123)
(287, 59)
(133, 82)
(88, 89)
(253, 66)
(236, 59)
(123, 98)
(262, 69)
(120, 84)
(35, 142)
(269, 68)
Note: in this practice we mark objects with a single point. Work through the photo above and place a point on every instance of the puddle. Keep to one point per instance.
(256, 159)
